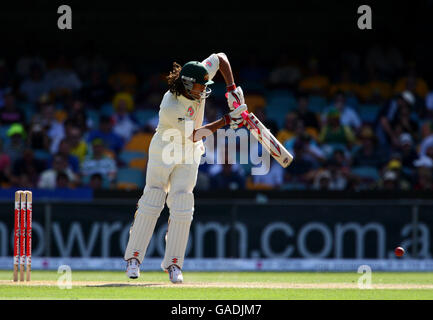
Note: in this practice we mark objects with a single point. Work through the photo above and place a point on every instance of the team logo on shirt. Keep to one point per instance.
(208, 63)
(190, 111)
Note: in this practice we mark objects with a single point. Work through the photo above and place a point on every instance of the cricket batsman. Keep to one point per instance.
(182, 107)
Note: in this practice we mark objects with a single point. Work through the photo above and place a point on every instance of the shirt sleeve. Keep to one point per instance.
(212, 64)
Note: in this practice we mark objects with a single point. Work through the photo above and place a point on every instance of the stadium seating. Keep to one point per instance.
(366, 173)
(28, 109)
(279, 103)
(138, 163)
(94, 116)
(107, 109)
(255, 101)
(368, 112)
(4, 133)
(130, 178)
(293, 186)
(127, 156)
(139, 142)
(143, 116)
(329, 148)
(42, 155)
(317, 103)
(85, 180)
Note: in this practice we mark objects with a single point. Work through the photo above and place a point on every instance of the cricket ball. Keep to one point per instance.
(399, 251)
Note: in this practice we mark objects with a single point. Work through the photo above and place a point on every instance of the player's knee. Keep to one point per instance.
(181, 206)
(152, 201)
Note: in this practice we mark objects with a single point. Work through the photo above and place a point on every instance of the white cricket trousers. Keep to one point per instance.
(165, 183)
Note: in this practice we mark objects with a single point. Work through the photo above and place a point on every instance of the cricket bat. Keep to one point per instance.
(267, 139)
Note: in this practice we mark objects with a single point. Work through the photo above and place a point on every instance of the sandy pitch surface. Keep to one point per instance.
(258, 285)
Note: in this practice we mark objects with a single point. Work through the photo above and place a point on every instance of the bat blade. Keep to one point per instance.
(267, 139)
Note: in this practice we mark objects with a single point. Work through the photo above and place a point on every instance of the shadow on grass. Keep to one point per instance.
(108, 285)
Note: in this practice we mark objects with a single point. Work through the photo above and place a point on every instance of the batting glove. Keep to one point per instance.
(235, 97)
(234, 118)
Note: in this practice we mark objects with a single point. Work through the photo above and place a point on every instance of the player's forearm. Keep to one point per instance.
(225, 69)
(208, 129)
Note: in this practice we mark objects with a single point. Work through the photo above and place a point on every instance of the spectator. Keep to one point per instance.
(322, 180)
(62, 181)
(375, 90)
(124, 124)
(289, 128)
(16, 144)
(308, 117)
(311, 146)
(388, 61)
(105, 132)
(53, 128)
(335, 133)
(62, 80)
(338, 173)
(286, 74)
(395, 118)
(65, 151)
(10, 113)
(345, 85)
(429, 105)
(413, 83)
(348, 116)
(48, 178)
(314, 83)
(5, 167)
(74, 136)
(402, 180)
(27, 61)
(368, 154)
(77, 113)
(228, 179)
(99, 163)
(224, 174)
(27, 168)
(407, 150)
(96, 181)
(270, 124)
(35, 86)
(300, 169)
(424, 174)
(38, 138)
(97, 92)
(123, 80)
(425, 144)
(273, 179)
(389, 182)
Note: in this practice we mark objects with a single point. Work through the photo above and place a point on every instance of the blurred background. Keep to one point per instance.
(78, 109)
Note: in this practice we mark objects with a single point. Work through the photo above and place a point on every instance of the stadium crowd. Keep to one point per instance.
(367, 123)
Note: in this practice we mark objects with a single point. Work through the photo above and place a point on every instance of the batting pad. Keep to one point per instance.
(181, 211)
(149, 208)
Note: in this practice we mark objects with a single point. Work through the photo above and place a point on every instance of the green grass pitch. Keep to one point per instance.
(220, 285)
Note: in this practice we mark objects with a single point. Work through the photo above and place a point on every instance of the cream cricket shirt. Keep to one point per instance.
(182, 114)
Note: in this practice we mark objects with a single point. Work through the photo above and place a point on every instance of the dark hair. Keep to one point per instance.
(96, 176)
(105, 119)
(62, 175)
(174, 82)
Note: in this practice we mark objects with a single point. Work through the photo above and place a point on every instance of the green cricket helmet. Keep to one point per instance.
(195, 72)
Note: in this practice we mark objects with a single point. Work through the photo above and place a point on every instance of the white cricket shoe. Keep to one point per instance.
(175, 274)
(132, 268)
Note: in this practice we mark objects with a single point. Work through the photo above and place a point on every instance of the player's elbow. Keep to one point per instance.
(222, 57)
